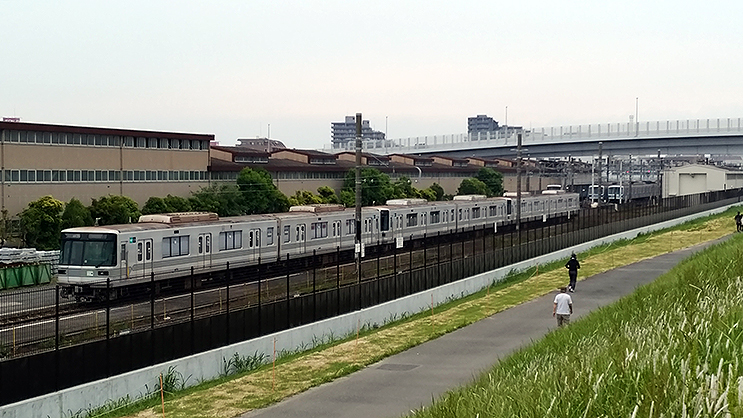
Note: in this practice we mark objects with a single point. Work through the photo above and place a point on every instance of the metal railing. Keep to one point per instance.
(556, 134)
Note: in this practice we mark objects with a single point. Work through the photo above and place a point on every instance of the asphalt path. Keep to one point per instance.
(412, 379)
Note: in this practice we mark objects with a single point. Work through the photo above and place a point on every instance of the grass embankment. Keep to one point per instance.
(239, 393)
(673, 348)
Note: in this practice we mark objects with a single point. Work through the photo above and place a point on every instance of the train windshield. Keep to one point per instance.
(84, 249)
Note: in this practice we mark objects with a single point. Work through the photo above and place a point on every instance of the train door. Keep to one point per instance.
(144, 264)
(509, 209)
(204, 249)
(124, 264)
(384, 224)
(336, 230)
(254, 244)
(301, 238)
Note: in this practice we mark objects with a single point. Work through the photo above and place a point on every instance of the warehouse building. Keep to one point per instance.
(88, 162)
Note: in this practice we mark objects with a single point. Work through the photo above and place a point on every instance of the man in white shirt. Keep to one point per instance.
(563, 307)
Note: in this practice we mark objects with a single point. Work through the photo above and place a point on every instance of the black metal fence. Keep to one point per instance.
(66, 350)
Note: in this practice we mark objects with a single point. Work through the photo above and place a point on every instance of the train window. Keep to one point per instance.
(175, 246)
(148, 251)
(139, 251)
(493, 211)
(460, 214)
(123, 252)
(287, 233)
(319, 229)
(297, 229)
(412, 219)
(269, 235)
(201, 245)
(208, 243)
(250, 239)
(350, 226)
(475, 213)
(435, 217)
(230, 240)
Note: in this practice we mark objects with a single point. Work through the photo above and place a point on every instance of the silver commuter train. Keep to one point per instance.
(119, 257)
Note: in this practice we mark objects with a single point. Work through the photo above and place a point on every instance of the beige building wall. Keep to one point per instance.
(16, 156)
(697, 178)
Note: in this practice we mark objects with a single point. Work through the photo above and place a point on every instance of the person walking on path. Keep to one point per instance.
(572, 265)
(562, 307)
(738, 222)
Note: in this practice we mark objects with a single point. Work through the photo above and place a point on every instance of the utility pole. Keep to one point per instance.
(358, 196)
(600, 172)
(518, 181)
(629, 197)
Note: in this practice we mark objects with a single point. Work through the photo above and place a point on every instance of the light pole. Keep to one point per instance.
(358, 197)
(637, 120)
(518, 183)
(505, 124)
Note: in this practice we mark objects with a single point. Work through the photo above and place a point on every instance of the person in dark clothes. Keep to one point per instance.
(572, 265)
(738, 222)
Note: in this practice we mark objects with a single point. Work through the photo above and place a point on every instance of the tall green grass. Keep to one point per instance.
(674, 348)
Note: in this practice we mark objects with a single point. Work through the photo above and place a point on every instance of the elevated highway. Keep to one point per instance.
(714, 137)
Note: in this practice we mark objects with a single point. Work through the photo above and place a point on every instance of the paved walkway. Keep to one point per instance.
(406, 381)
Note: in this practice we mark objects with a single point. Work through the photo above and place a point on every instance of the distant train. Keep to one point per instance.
(636, 191)
(123, 257)
(616, 193)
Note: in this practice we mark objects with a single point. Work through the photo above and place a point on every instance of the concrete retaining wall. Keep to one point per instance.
(208, 365)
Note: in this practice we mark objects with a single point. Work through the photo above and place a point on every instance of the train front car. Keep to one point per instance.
(87, 258)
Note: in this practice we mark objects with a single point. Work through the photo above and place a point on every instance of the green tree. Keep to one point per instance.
(223, 199)
(177, 204)
(76, 214)
(114, 209)
(155, 205)
(492, 179)
(472, 186)
(304, 197)
(41, 223)
(259, 193)
(428, 194)
(327, 195)
(437, 190)
(376, 188)
(403, 188)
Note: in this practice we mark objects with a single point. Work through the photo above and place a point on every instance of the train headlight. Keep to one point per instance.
(102, 272)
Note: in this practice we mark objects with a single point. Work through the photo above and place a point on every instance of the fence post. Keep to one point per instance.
(56, 340)
(482, 255)
(425, 263)
(288, 301)
(229, 277)
(260, 309)
(410, 272)
(451, 259)
(394, 268)
(193, 333)
(152, 300)
(314, 285)
(338, 280)
(379, 290)
(108, 326)
(438, 258)
(152, 317)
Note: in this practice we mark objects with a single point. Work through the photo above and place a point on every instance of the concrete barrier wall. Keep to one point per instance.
(208, 365)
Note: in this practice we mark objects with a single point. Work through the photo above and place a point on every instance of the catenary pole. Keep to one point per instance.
(358, 196)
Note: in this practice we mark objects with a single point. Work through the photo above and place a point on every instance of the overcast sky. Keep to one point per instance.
(412, 68)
